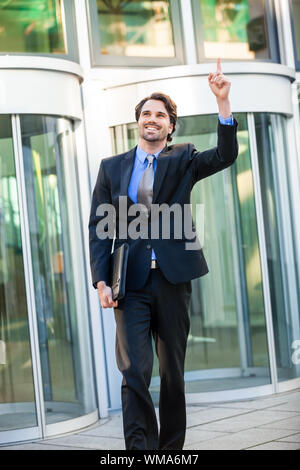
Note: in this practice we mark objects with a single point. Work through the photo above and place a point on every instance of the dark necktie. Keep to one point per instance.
(145, 189)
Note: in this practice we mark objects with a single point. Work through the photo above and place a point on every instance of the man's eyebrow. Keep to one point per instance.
(160, 112)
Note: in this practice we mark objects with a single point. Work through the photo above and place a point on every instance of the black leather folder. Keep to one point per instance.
(118, 268)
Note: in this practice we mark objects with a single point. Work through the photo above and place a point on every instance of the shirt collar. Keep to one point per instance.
(141, 154)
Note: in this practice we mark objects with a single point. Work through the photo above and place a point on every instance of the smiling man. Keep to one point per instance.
(159, 271)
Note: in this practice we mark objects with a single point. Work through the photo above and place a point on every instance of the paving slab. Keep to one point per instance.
(40, 446)
(290, 423)
(248, 420)
(196, 435)
(292, 438)
(90, 442)
(212, 414)
(291, 405)
(241, 440)
(105, 431)
(277, 445)
(259, 403)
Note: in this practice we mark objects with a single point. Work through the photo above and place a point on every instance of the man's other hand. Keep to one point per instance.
(105, 295)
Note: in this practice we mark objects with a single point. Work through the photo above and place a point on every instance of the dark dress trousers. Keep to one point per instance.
(157, 300)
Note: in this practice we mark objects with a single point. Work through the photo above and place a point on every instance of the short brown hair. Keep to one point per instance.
(169, 104)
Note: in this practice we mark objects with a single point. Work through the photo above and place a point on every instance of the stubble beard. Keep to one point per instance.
(152, 138)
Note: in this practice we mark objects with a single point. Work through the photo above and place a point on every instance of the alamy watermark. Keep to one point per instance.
(296, 353)
(167, 222)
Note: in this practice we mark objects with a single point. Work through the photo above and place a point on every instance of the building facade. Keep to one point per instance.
(71, 73)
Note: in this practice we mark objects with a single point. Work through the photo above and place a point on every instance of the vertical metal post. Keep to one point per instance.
(262, 251)
(28, 273)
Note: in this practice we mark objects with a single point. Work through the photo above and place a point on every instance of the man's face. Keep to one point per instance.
(154, 122)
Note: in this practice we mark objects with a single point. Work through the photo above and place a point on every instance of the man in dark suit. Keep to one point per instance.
(159, 271)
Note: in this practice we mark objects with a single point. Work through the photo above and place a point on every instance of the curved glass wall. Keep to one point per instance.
(273, 162)
(44, 336)
(230, 337)
(17, 397)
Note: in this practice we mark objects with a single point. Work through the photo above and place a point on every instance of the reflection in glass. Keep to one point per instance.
(296, 20)
(272, 157)
(135, 29)
(235, 29)
(228, 329)
(32, 26)
(17, 401)
(65, 358)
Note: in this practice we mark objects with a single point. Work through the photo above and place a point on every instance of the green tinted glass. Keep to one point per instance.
(135, 28)
(234, 29)
(17, 399)
(296, 18)
(32, 26)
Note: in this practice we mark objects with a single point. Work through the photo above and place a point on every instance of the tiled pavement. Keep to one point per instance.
(270, 423)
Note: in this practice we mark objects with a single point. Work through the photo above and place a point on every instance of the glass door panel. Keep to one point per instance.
(17, 398)
(64, 348)
(227, 345)
(273, 163)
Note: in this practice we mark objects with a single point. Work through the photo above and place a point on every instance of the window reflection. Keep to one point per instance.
(135, 28)
(296, 18)
(234, 29)
(32, 26)
(272, 157)
(17, 400)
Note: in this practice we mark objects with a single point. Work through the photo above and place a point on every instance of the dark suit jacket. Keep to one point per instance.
(179, 167)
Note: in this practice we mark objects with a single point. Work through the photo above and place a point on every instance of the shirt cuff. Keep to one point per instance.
(228, 121)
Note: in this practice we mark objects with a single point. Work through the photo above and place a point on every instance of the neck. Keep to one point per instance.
(152, 147)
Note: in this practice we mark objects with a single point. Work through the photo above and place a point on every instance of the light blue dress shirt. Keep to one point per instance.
(140, 164)
(228, 121)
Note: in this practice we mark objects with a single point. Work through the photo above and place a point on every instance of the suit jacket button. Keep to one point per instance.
(148, 247)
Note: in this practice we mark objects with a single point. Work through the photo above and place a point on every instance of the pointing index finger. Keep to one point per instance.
(219, 65)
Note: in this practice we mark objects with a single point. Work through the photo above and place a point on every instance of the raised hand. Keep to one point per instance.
(219, 83)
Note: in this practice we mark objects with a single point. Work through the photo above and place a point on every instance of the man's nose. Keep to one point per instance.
(152, 120)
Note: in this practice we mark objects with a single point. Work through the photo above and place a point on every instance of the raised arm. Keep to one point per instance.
(211, 161)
